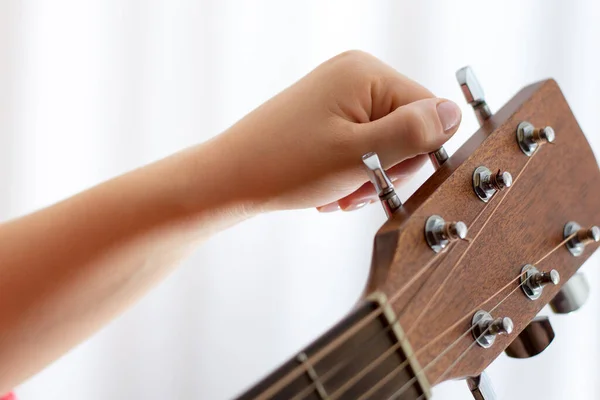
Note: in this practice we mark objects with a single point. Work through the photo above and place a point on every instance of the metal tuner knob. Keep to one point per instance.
(481, 387)
(571, 296)
(534, 339)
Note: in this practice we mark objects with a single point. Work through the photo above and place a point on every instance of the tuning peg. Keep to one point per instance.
(473, 93)
(438, 157)
(582, 238)
(533, 281)
(571, 296)
(534, 339)
(481, 387)
(485, 328)
(486, 183)
(440, 233)
(383, 185)
(529, 137)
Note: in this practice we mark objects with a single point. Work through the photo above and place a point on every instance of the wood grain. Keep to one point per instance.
(561, 184)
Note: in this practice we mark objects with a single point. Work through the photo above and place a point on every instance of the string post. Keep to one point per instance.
(439, 233)
(485, 328)
(579, 237)
(530, 137)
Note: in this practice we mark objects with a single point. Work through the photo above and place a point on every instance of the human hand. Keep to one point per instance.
(303, 147)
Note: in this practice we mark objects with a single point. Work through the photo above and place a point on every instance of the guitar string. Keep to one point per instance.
(326, 350)
(448, 348)
(296, 372)
(501, 290)
(455, 342)
(338, 367)
(368, 318)
(423, 312)
(369, 367)
(370, 341)
(408, 384)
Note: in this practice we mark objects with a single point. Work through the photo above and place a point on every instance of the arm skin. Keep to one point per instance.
(68, 269)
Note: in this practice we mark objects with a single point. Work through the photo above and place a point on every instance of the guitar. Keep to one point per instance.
(460, 271)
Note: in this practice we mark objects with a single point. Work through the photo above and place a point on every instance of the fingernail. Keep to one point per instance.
(356, 206)
(329, 208)
(449, 115)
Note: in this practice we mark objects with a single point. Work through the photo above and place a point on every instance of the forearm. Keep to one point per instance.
(68, 269)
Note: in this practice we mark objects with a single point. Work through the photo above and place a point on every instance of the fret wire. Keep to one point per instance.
(310, 370)
(369, 343)
(409, 383)
(325, 351)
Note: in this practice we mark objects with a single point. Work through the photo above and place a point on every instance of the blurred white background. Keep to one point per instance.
(91, 89)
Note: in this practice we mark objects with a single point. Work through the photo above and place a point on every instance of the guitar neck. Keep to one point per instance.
(365, 356)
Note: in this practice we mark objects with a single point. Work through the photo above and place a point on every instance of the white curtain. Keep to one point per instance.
(91, 89)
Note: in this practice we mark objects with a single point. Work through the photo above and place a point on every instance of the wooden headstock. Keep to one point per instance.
(414, 328)
(435, 295)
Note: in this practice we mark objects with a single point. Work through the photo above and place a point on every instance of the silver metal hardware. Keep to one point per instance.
(481, 387)
(485, 328)
(534, 339)
(383, 185)
(486, 184)
(571, 296)
(584, 236)
(438, 157)
(440, 233)
(530, 137)
(533, 281)
(473, 93)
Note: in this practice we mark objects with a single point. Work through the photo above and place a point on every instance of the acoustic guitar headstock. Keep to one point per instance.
(495, 234)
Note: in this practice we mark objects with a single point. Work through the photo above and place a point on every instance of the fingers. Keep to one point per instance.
(416, 128)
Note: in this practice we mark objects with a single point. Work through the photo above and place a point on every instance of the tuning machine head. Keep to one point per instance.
(481, 387)
(534, 339)
(581, 238)
(485, 328)
(473, 92)
(440, 233)
(572, 295)
(382, 183)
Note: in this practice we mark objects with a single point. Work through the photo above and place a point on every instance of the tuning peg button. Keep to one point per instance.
(473, 92)
(481, 387)
(534, 339)
(382, 183)
(572, 295)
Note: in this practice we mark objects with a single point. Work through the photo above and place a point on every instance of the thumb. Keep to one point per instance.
(415, 128)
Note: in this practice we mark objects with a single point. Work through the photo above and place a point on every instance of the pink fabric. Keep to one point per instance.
(10, 396)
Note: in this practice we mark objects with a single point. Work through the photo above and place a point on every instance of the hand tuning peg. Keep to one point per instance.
(438, 157)
(383, 185)
(473, 93)
(571, 296)
(481, 387)
(582, 238)
(534, 339)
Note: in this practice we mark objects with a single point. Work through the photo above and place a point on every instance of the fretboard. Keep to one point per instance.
(365, 356)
